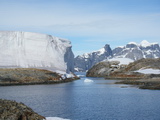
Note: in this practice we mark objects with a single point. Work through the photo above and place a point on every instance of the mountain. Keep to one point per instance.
(34, 50)
(132, 50)
(138, 51)
(86, 61)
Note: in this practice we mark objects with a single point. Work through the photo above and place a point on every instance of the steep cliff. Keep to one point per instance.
(34, 50)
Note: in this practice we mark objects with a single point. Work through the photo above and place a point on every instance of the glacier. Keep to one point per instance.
(35, 50)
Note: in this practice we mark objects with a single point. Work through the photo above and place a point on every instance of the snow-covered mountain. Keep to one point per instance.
(137, 51)
(87, 60)
(34, 50)
(132, 50)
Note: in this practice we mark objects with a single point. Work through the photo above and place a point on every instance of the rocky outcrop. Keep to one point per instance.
(129, 72)
(144, 63)
(34, 50)
(110, 70)
(25, 76)
(103, 69)
(11, 110)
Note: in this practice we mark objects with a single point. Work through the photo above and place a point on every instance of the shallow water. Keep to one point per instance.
(79, 100)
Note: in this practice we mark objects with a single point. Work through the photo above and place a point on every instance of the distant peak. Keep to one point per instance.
(145, 43)
(132, 43)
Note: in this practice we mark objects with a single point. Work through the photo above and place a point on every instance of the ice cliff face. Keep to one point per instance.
(34, 50)
(132, 50)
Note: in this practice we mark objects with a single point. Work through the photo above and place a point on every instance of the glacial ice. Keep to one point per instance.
(34, 50)
(88, 80)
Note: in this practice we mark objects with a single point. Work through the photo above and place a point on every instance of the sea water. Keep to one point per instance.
(80, 100)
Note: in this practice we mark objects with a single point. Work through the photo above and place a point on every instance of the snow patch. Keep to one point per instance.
(101, 51)
(149, 71)
(122, 60)
(120, 46)
(145, 43)
(133, 43)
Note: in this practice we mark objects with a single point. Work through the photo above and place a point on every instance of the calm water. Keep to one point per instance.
(79, 100)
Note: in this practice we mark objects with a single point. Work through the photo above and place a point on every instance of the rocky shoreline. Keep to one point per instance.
(11, 110)
(30, 76)
(128, 73)
(152, 84)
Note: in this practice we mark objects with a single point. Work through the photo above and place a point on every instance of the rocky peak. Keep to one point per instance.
(87, 60)
(107, 47)
(131, 45)
(132, 50)
(145, 43)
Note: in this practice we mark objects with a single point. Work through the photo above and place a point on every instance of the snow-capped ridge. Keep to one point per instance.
(145, 43)
(133, 43)
(132, 50)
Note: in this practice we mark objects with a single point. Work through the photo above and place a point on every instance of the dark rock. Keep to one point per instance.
(11, 110)
(86, 61)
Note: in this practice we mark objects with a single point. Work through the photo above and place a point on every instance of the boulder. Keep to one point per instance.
(11, 110)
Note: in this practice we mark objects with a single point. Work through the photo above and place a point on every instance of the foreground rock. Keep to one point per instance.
(11, 110)
(25, 76)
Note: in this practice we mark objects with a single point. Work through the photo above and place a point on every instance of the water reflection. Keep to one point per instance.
(77, 100)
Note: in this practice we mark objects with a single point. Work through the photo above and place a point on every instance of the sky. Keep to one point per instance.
(88, 24)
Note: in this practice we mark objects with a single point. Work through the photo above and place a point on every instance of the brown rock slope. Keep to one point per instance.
(22, 76)
(11, 110)
(128, 72)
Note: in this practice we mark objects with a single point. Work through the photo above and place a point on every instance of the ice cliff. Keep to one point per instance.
(34, 50)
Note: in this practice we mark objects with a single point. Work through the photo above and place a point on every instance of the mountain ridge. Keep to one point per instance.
(131, 50)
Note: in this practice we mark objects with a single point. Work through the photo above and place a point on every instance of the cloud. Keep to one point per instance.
(71, 19)
(98, 22)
